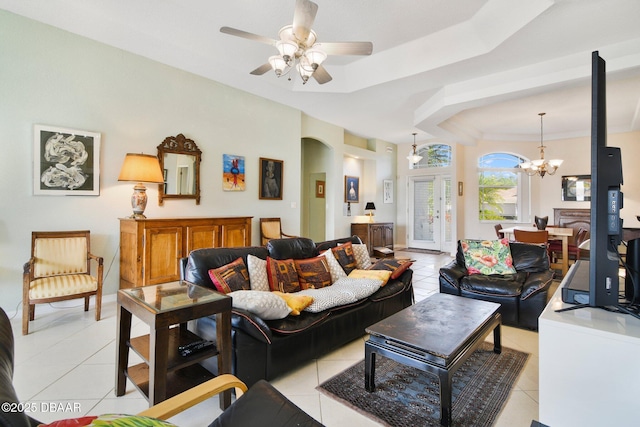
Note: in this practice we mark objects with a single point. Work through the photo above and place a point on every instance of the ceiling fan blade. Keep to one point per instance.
(303, 17)
(247, 35)
(261, 69)
(346, 48)
(321, 75)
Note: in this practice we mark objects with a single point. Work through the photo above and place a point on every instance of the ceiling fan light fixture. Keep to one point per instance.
(278, 64)
(315, 57)
(304, 71)
(287, 49)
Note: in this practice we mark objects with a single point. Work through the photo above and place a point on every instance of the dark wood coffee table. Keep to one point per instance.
(435, 335)
(167, 308)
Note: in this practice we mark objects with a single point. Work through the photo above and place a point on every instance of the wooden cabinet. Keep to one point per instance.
(150, 249)
(374, 234)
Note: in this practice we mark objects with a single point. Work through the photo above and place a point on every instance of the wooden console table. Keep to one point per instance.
(374, 234)
(150, 249)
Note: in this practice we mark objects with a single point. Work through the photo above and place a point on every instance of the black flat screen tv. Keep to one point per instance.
(606, 198)
(606, 202)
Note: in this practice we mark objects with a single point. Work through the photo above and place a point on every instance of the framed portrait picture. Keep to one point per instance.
(320, 189)
(351, 189)
(271, 179)
(387, 191)
(233, 173)
(66, 162)
(576, 188)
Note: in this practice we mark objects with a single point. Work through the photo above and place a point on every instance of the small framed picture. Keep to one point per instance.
(66, 162)
(320, 189)
(351, 189)
(271, 179)
(387, 191)
(233, 173)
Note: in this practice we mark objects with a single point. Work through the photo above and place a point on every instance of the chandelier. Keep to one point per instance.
(296, 54)
(541, 167)
(414, 157)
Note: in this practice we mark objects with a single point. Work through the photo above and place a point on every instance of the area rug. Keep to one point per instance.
(406, 396)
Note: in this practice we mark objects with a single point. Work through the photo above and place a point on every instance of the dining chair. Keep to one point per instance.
(271, 228)
(574, 252)
(60, 269)
(500, 234)
(525, 236)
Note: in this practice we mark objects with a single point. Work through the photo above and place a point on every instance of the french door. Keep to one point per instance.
(430, 210)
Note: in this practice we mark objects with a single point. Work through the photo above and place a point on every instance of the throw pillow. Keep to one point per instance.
(487, 256)
(282, 275)
(344, 255)
(257, 273)
(313, 273)
(109, 420)
(334, 266)
(395, 266)
(231, 277)
(265, 305)
(296, 303)
(383, 275)
(361, 252)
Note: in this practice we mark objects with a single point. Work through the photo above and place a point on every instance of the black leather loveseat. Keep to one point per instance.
(265, 349)
(523, 295)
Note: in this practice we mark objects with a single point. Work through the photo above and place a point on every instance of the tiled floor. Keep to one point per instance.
(67, 363)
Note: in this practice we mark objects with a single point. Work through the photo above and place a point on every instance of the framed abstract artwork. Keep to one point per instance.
(233, 173)
(271, 179)
(66, 162)
(387, 191)
(576, 188)
(351, 189)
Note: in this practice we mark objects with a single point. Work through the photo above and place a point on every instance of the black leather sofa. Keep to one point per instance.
(523, 295)
(266, 349)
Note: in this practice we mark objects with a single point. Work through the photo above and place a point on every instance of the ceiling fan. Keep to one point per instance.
(298, 49)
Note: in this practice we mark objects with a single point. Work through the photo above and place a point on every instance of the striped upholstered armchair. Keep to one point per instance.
(60, 269)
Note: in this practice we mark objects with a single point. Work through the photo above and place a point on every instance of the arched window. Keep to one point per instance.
(433, 156)
(503, 188)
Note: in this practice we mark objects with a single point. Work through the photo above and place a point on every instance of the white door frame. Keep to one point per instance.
(441, 233)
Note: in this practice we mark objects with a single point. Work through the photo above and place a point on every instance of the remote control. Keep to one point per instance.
(196, 346)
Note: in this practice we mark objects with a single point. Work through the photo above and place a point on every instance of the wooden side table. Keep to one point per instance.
(167, 308)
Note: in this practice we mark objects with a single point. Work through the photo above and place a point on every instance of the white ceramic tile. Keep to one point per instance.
(85, 381)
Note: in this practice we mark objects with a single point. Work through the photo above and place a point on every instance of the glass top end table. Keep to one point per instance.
(174, 295)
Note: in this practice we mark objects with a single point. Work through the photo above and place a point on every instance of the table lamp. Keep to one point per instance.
(370, 207)
(140, 168)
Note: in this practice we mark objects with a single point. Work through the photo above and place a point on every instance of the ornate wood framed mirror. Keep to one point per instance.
(180, 163)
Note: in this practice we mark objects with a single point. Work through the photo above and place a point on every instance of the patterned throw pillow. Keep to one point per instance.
(334, 266)
(395, 266)
(344, 255)
(313, 273)
(265, 305)
(296, 302)
(257, 273)
(383, 275)
(487, 256)
(231, 277)
(361, 252)
(282, 275)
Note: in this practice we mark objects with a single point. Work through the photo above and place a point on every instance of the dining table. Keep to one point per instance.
(555, 233)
